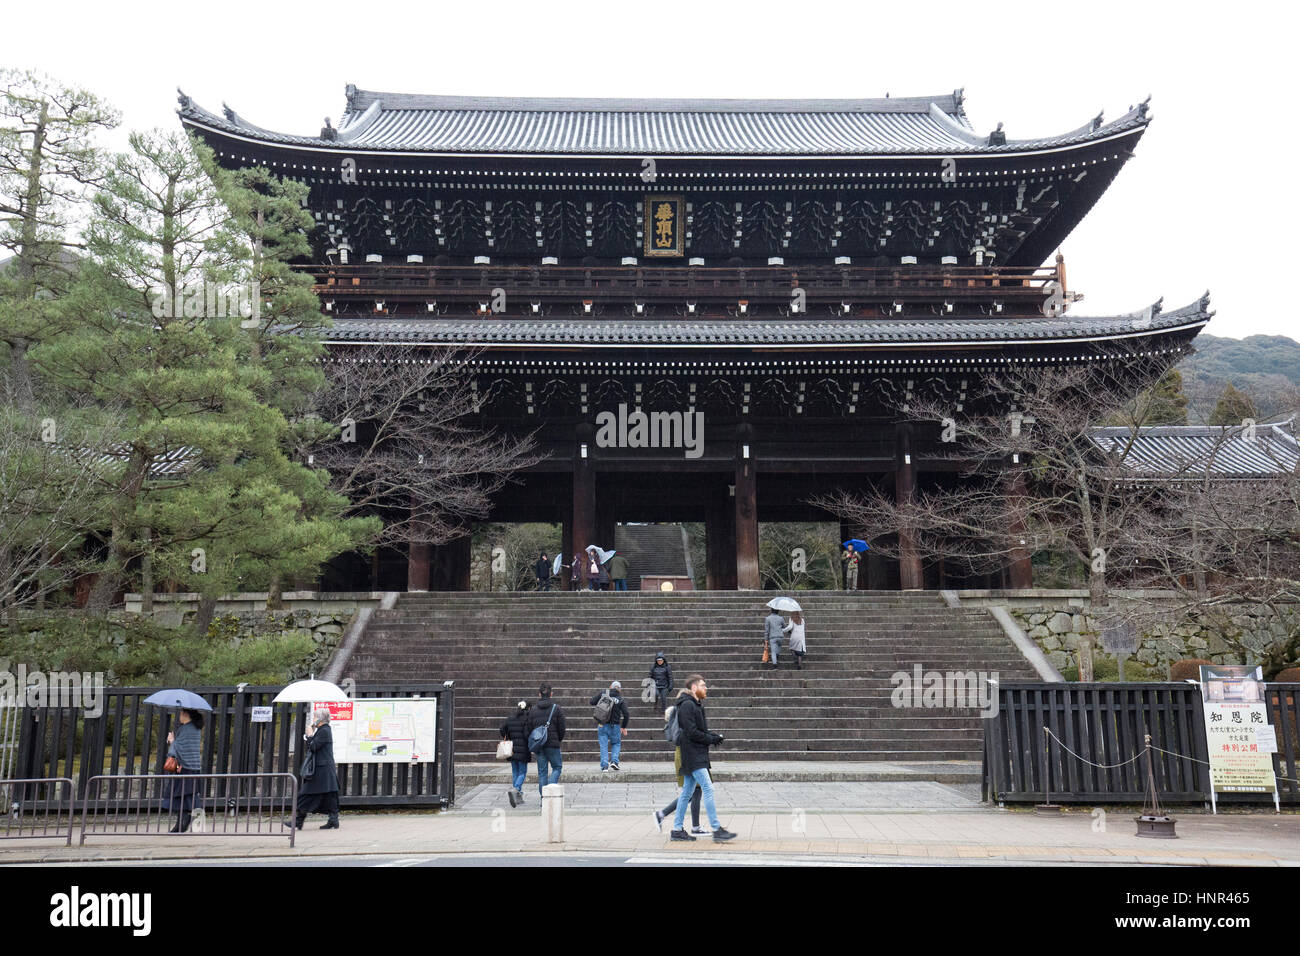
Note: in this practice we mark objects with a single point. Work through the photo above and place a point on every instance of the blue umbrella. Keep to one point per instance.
(178, 698)
(858, 544)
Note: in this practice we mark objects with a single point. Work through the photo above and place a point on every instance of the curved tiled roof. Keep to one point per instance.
(749, 333)
(402, 122)
(1191, 450)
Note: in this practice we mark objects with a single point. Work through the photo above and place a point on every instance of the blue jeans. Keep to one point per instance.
(519, 770)
(690, 780)
(611, 739)
(548, 755)
(620, 584)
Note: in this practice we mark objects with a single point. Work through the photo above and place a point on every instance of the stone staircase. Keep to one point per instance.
(651, 549)
(499, 647)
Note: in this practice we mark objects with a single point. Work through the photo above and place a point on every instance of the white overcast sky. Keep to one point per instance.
(1209, 201)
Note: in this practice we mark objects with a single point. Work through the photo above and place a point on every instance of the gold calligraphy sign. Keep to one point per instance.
(665, 228)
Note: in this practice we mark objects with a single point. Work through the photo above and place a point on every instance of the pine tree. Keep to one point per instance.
(1233, 407)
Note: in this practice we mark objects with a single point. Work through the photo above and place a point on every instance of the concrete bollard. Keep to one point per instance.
(553, 812)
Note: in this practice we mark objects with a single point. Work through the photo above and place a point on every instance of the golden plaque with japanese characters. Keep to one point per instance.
(665, 228)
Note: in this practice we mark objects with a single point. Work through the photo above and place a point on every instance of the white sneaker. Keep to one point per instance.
(699, 831)
(604, 770)
(659, 820)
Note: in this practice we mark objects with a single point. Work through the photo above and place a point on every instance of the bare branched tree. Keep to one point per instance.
(403, 443)
(1028, 475)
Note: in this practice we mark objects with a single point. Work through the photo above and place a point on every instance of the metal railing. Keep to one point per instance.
(217, 804)
(38, 808)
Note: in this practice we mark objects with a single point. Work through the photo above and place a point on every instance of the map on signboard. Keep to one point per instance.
(1235, 712)
(384, 730)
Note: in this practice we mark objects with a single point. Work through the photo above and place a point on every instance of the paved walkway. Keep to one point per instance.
(619, 797)
(939, 836)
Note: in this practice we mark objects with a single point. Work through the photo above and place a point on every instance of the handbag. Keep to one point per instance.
(172, 765)
(767, 653)
(505, 750)
(308, 768)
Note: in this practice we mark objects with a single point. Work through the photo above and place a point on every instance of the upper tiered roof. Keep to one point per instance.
(458, 125)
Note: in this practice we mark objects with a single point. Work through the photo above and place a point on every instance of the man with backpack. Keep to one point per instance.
(610, 711)
(696, 739)
(545, 734)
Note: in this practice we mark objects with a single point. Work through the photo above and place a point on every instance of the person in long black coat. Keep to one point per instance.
(320, 791)
(515, 729)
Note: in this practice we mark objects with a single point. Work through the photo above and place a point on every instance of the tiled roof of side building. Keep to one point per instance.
(748, 333)
(648, 127)
(1187, 451)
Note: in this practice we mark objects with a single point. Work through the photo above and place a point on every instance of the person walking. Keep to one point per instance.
(696, 740)
(184, 744)
(547, 713)
(660, 815)
(575, 574)
(612, 719)
(850, 557)
(543, 571)
(773, 631)
(794, 630)
(661, 673)
(319, 790)
(515, 729)
(597, 576)
(618, 572)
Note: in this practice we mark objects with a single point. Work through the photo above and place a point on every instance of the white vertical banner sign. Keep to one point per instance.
(1238, 737)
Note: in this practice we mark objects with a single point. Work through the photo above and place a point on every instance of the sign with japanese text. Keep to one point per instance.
(1233, 698)
(665, 229)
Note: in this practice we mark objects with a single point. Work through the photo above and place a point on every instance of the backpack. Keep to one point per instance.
(537, 739)
(673, 730)
(604, 708)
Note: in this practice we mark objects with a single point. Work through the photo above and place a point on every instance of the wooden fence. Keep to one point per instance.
(130, 737)
(1104, 725)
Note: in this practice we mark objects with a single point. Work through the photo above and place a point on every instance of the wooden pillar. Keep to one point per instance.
(1020, 569)
(417, 556)
(566, 542)
(720, 537)
(746, 514)
(583, 530)
(606, 517)
(909, 559)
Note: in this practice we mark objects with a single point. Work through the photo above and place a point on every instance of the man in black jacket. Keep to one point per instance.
(696, 739)
(661, 672)
(611, 732)
(549, 755)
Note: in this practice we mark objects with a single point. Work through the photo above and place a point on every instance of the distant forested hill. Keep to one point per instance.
(1266, 367)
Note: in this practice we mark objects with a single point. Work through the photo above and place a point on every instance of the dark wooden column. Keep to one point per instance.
(909, 559)
(417, 556)
(720, 537)
(746, 513)
(1020, 569)
(583, 530)
(566, 541)
(606, 516)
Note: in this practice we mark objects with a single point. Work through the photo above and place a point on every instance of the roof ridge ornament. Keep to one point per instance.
(328, 131)
(350, 91)
(1097, 120)
(997, 137)
(231, 116)
(185, 101)
(1143, 107)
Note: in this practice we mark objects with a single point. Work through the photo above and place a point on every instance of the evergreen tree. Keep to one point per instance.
(1166, 403)
(1233, 407)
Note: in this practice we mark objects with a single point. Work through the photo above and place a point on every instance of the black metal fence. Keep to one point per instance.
(1099, 730)
(130, 738)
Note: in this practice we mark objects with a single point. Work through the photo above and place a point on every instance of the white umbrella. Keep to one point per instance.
(784, 604)
(309, 692)
(555, 565)
(601, 554)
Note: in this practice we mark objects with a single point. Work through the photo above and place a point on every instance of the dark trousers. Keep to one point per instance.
(669, 810)
(327, 803)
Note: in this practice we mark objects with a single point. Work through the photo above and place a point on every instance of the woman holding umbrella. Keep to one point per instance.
(183, 747)
(319, 788)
